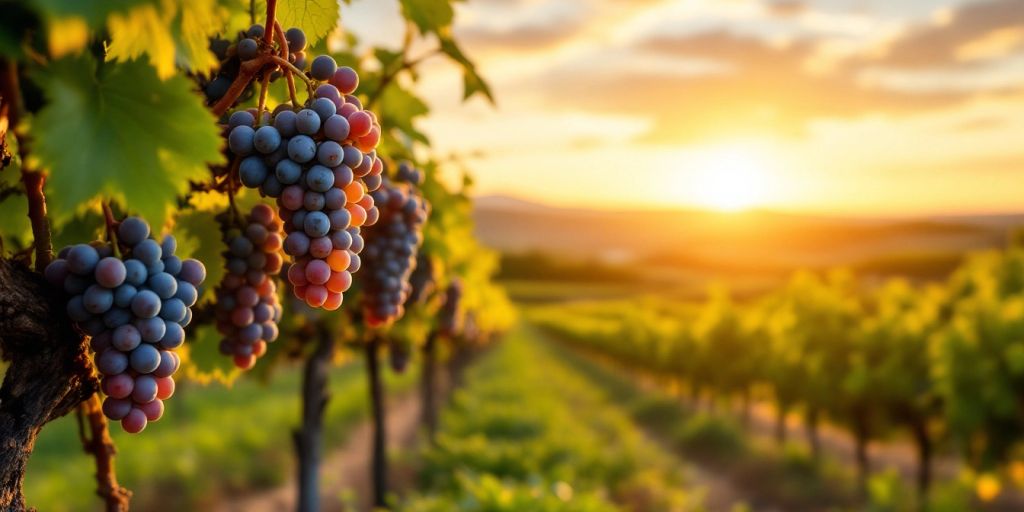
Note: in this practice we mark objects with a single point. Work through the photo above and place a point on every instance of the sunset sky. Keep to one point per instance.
(865, 107)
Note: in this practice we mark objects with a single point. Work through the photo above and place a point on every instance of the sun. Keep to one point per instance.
(731, 179)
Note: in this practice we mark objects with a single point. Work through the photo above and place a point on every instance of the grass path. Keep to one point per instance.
(528, 431)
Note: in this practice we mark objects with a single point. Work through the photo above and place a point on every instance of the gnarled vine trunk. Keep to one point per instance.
(49, 374)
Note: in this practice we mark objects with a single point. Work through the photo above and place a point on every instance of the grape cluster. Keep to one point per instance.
(320, 163)
(246, 48)
(135, 308)
(422, 281)
(399, 354)
(248, 310)
(449, 319)
(408, 174)
(390, 252)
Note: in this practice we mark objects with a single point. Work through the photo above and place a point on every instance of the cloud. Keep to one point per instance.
(976, 31)
(523, 37)
(766, 89)
(786, 8)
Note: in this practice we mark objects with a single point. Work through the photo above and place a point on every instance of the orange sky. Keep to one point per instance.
(835, 106)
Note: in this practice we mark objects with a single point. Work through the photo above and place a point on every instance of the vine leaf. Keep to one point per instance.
(15, 228)
(170, 34)
(472, 82)
(199, 236)
(316, 18)
(399, 108)
(429, 15)
(124, 135)
(93, 13)
(85, 225)
(201, 358)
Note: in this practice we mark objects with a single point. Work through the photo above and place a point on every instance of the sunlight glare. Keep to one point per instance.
(731, 179)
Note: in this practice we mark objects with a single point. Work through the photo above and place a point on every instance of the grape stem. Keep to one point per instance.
(108, 219)
(33, 179)
(263, 99)
(101, 446)
(246, 73)
(268, 28)
(283, 53)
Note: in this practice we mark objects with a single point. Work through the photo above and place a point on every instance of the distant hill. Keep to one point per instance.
(754, 240)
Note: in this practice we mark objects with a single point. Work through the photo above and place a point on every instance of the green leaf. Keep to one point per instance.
(94, 13)
(472, 82)
(399, 108)
(202, 361)
(125, 135)
(195, 24)
(429, 15)
(15, 228)
(199, 237)
(316, 18)
(84, 226)
(17, 25)
(170, 34)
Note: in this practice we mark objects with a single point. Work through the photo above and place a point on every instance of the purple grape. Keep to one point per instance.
(336, 128)
(307, 122)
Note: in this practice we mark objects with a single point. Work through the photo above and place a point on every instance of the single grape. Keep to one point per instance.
(345, 79)
(241, 140)
(252, 171)
(255, 31)
(148, 252)
(285, 123)
(296, 39)
(336, 128)
(288, 172)
(134, 422)
(248, 49)
(82, 259)
(307, 121)
(132, 230)
(301, 148)
(323, 67)
(352, 157)
(145, 358)
(115, 408)
(360, 123)
(97, 299)
(266, 139)
(330, 153)
(316, 224)
(320, 178)
(324, 107)
(193, 272)
(163, 284)
(238, 118)
(111, 362)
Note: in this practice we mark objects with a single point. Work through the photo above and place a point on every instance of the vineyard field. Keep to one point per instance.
(511, 256)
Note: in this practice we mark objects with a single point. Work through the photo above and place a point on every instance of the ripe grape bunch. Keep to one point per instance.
(422, 281)
(247, 47)
(248, 310)
(390, 252)
(320, 163)
(135, 308)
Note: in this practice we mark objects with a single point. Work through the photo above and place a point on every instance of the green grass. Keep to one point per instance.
(529, 432)
(213, 442)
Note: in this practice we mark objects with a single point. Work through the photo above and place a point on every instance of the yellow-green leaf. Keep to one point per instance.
(125, 135)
